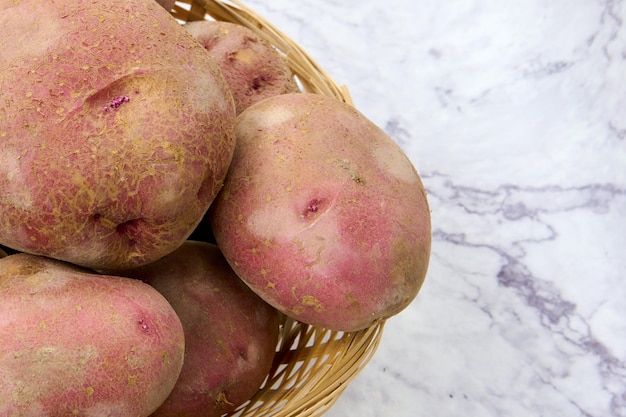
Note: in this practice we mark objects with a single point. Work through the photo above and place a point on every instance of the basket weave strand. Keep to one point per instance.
(312, 366)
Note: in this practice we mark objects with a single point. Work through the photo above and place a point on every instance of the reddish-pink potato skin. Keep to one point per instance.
(322, 214)
(252, 67)
(75, 343)
(116, 131)
(231, 334)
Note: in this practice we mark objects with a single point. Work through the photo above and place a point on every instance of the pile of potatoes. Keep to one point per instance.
(168, 193)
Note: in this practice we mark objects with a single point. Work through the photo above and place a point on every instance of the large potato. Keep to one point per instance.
(230, 333)
(322, 214)
(73, 343)
(116, 131)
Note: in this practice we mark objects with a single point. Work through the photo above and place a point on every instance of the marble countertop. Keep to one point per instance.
(514, 113)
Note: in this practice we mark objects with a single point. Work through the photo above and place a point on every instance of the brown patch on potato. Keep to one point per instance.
(221, 400)
(30, 266)
(311, 301)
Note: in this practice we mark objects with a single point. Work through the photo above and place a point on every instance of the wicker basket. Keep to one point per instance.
(313, 366)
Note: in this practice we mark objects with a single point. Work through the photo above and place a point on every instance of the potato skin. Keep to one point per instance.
(116, 131)
(252, 67)
(322, 214)
(230, 333)
(78, 343)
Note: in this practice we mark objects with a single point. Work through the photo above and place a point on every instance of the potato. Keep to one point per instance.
(322, 214)
(74, 343)
(167, 4)
(253, 68)
(116, 131)
(231, 334)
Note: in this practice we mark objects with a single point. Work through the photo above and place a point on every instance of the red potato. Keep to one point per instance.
(253, 68)
(167, 4)
(116, 131)
(231, 334)
(74, 343)
(322, 214)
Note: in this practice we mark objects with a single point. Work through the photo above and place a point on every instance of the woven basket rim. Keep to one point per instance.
(312, 366)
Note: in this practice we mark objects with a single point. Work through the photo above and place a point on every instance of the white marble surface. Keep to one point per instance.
(514, 112)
